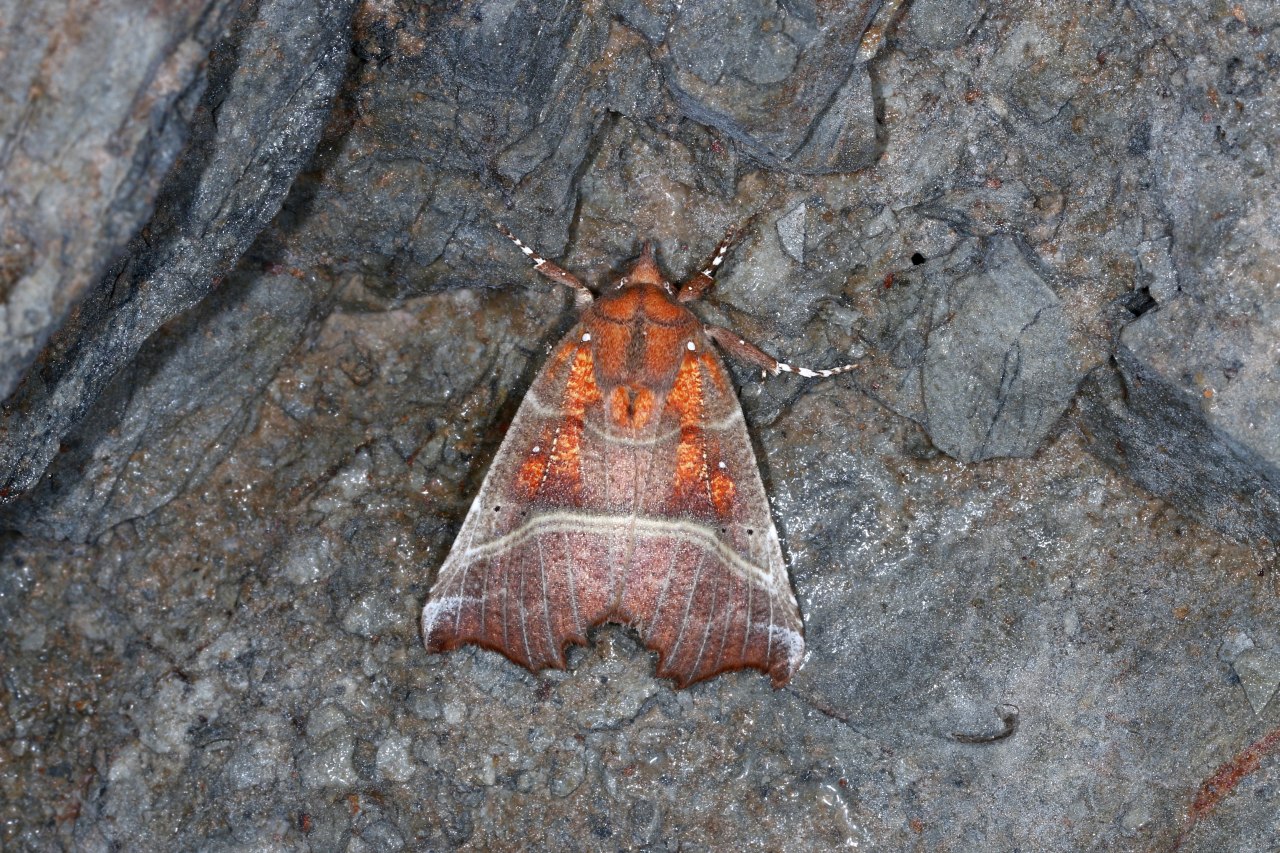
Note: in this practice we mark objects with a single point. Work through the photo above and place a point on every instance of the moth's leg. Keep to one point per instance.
(706, 276)
(581, 293)
(735, 346)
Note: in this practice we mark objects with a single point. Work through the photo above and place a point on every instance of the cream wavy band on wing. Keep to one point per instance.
(574, 522)
(536, 406)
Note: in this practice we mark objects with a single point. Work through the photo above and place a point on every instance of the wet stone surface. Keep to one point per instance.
(1014, 217)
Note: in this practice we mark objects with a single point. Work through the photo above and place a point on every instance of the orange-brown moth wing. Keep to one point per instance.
(635, 504)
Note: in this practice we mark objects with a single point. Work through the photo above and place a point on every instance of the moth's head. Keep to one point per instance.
(645, 269)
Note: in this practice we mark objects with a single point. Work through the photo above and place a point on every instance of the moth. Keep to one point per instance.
(626, 491)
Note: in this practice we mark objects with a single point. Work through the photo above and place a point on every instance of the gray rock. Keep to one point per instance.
(791, 232)
(1259, 674)
(88, 132)
(1157, 434)
(265, 758)
(395, 760)
(208, 603)
(784, 87)
(843, 138)
(977, 344)
(164, 726)
(326, 763)
(378, 837)
(186, 397)
(1209, 378)
(940, 24)
(1201, 422)
(369, 615)
(568, 771)
(273, 82)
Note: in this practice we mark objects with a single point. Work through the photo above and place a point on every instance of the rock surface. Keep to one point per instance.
(978, 352)
(88, 131)
(1047, 233)
(1201, 423)
(272, 81)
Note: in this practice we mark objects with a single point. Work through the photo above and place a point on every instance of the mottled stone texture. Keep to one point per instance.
(289, 340)
(1200, 419)
(977, 350)
(96, 105)
(272, 77)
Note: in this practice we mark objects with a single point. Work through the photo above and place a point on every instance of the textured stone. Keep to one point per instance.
(791, 233)
(273, 76)
(1259, 673)
(89, 128)
(979, 355)
(779, 82)
(207, 601)
(395, 761)
(184, 398)
(1200, 424)
(327, 761)
(1158, 434)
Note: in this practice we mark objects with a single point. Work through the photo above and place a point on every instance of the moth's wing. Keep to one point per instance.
(531, 570)
(637, 505)
(706, 585)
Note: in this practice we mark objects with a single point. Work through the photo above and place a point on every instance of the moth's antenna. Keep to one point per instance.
(705, 278)
(740, 349)
(582, 294)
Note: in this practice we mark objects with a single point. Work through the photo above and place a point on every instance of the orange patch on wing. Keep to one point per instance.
(555, 472)
(641, 408)
(722, 489)
(631, 407)
(532, 472)
(691, 467)
(686, 393)
(696, 488)
(620, 406)
(715, 372)
(559, 356)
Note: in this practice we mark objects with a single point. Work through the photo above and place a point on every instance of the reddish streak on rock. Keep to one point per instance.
(1218, 786)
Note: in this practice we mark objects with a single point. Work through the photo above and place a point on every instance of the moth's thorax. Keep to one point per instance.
(640, 334)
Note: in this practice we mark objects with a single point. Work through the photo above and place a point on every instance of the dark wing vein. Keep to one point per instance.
(551, 640)
(706, 630)
(688, 605)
